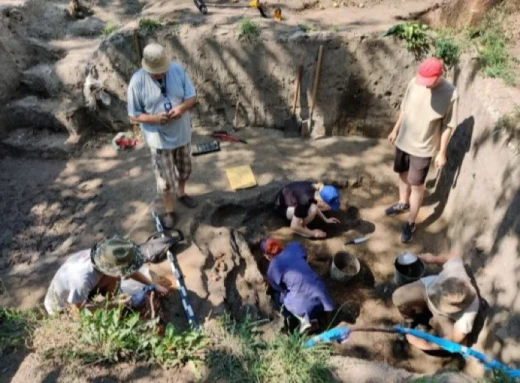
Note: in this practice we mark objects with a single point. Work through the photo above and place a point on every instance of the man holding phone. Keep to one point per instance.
(160, 94)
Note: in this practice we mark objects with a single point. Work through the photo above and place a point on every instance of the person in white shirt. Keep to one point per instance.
(449, 297)
(100, 269)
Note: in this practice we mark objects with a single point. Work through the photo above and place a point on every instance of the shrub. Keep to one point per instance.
(248, 30)
(415, 36)
(109, 29)
(149, 25)
(16, 328)
(448, 50)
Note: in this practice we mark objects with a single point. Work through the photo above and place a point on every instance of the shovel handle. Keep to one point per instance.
(316, 80)
(297, 90)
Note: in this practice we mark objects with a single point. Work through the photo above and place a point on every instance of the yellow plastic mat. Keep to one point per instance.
(241, 177)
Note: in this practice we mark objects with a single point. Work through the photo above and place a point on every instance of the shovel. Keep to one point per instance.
(307, 124)
(292, 124)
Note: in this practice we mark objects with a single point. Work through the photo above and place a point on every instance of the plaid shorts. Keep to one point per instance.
(171, 166)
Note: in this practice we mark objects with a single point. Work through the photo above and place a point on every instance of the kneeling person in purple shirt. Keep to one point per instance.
(298, 288)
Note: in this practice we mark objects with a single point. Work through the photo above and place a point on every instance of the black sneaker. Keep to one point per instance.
(397, 208)
(407, 234)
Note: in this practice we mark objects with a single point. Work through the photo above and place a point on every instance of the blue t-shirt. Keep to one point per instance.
(302, 291)
(145, 96)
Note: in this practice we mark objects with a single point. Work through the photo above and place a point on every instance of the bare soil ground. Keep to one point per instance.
(64, 200)
(54, 207)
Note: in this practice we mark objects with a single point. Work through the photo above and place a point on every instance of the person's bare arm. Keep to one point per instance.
(320, 214)
(441, 158)
(154, 119)
(440, 258)
(139, 277)
(393, 134)
(297, 227)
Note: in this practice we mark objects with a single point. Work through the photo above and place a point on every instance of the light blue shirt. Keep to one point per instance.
(145, 96)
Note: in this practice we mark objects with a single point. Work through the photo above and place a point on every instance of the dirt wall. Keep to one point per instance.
(478, 193)
(359, 88)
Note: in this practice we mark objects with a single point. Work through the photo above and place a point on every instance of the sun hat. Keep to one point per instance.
(429, 71)
(452, 295)
(330, 195)
(271, 246)
(116, 257)
(154, 59)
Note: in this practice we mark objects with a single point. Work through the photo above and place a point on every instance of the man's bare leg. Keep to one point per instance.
(181, 188)
(404, 188)
(416, 199)
(169, 217)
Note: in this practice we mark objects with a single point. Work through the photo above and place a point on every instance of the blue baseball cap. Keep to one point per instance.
(330, 195)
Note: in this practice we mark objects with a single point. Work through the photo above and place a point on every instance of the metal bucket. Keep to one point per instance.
(408, 268)
(345, 266)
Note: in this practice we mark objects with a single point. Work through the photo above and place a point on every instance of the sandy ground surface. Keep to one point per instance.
(59, 207)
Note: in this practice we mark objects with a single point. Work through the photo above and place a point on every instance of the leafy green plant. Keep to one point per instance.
(248, 29)
(493, 45)
(448, 50)
(112, 335)
(498, 376)
(16, 327)
(305, 27)
(109, 29)
(241, 355)
(149, 25)
(415, 36)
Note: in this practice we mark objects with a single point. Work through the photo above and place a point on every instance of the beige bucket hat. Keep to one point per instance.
(452, 296)
(117, 257)
(154, 59)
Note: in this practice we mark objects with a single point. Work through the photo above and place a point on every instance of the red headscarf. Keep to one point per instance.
(271, 246)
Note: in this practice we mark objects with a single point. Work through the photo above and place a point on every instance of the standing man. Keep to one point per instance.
(160, 94)
(428, 117)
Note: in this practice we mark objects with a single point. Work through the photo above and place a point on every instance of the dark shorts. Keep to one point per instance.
(417, 167)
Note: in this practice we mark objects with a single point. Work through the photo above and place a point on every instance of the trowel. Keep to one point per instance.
(357, 241)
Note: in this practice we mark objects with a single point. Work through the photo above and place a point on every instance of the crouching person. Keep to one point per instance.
(96, 271)
(301, 202)
(448, 298)
(297, 288)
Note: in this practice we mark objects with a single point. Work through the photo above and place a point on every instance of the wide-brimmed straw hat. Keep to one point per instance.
(452, 295)
(154, 59)
(117, 257)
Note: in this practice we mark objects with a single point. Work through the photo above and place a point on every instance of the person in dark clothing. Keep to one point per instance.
(302, 201)
(297, 288)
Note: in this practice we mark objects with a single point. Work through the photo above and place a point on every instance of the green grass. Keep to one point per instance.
(149, 25)
(508, 129)
(248, 29)
(16, 328)
(305, 27)
(241, 355)
(113, 335)
(109, 29)
(493, 45)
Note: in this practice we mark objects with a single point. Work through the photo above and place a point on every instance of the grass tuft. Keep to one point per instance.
(305, 27)
(241, 355)
(109, 29)
(248, 29)
(493, 45)
(16, 328)
(149, 25)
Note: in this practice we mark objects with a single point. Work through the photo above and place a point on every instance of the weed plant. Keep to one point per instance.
(248, 30)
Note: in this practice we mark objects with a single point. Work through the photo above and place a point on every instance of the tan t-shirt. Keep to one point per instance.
(426, 113)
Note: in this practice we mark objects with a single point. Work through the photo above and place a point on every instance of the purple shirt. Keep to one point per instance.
(302, 292)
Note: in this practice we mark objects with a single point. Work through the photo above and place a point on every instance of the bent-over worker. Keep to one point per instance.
(96, 270)
(298, 289)
(302, 201)
(448, 297)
